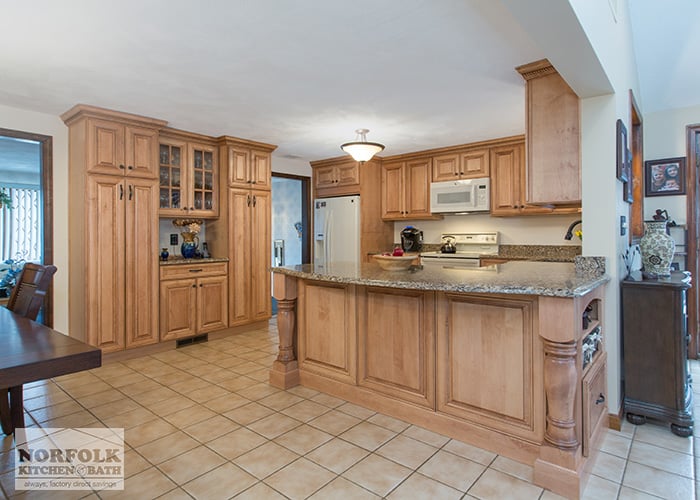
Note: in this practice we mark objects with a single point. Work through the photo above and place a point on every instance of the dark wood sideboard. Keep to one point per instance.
(657, 383)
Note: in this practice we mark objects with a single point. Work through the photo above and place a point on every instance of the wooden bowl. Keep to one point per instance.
(394, 263)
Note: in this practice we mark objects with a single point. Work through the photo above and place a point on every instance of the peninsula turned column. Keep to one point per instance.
(285, 369)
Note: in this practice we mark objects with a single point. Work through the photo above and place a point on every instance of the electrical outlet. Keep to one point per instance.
(173, 239)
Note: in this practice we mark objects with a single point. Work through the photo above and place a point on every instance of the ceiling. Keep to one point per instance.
(305, 74)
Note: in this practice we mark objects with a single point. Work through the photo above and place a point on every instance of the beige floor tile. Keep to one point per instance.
(514, 468)
(125, 380)
(170, 405)
(495, 485)
(216, 376)
(207, 393)
(7, 461)
(211, 429)
(192, 383)
(88, 389)
(132, 390)
(334, 422)
(150, 483)
(151, 397)
(130, 419)
(657, 482)
(327, 400)
(341, 488)
(300, 479)
(631, 494)
(661, 435)
(606, 466)
(391, 423)
(77, 379)
(227, 402)
(454, 471)
(662, 458)
(261, 375)
(257, 391)
(41, 390)
(101, 398)
(274, 425)
(114, 408)
(249, 413)
(549, 495)
(260, 491)
(134, 463)
(305, 410)
(429, 437)
(407, 451)
(303, 392)
(191, 464)
(377, 474)
(167, 447)
(473, 453)
(303, 439)
(368, 436)
(356, 411)
(149, 431)
(616, 444)
(597, 488)
(279, 401)
(47, 400)
(265, 460)
(238, 383)
(176, 494)
(81, 418)
(236, 443)
(223, 482)
(189, 416)
(54, 411)
(419, 487)
(337, 455)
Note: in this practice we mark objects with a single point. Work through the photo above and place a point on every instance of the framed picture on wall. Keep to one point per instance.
(628, 193)
(664, 177)
(621, 149)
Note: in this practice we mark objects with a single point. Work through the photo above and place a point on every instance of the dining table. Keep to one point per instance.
(30, 351)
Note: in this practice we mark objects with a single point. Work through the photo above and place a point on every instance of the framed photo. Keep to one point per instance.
(664, 177)
(621, 143)
(628, 193)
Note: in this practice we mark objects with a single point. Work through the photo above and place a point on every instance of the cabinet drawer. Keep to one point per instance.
(595, 405)
(193, 270)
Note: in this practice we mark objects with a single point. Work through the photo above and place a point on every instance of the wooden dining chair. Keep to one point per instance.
(26, 299)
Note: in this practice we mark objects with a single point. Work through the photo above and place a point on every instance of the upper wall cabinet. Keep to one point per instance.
(553, 172)
(467, 164)
(188, 175)
(249, 163)
(117, 143)
(336, 178)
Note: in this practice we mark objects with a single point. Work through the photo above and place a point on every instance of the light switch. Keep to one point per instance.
(173, 239)
(623, 225)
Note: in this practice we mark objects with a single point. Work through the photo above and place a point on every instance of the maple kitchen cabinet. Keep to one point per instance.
(468, 164)
(406, 189)
(113, 237)
(249, 164)
(188, 175)
(336, 177)
(553, 137)
(193, 299)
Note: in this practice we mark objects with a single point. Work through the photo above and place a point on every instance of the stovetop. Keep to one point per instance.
(468, 245)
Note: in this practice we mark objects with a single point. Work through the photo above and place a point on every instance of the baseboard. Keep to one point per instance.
(615, 419)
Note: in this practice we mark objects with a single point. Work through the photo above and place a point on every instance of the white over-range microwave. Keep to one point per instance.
(460, 196)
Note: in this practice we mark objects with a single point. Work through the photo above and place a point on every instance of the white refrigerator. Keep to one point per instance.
(337, 230)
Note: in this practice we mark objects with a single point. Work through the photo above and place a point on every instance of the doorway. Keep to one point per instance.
(26, 229)
(290, 221)
(693, 226)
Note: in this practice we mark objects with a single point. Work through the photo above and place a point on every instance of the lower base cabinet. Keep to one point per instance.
(193, 299)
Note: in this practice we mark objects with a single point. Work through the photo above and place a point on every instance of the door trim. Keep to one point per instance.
(305, 213)
(692, 207)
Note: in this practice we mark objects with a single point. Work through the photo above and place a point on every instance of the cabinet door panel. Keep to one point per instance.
(260, 170)
(178, 299)
(475, 164)
(141, 153)
(397, 344)
(238, 167)
(348, 174)
(239, 265)
(445, 167)
(104, 293)
(141, 244)
(212, 304)
(392, 190)
(327, 316)
(105, 147)
(487, 359)
(260, 255)
(418, 177)
(203, 180)
(505, 181)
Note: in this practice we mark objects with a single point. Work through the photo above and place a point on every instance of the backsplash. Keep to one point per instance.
(166, 228)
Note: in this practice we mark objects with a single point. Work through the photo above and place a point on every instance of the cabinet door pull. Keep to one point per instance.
(131, 191)
(248, 200)
(255, 199)
(201, 285)
(121, 191)
(121, 167)
(130, 167)
(196, 270)
(601, 399)
(194, 286)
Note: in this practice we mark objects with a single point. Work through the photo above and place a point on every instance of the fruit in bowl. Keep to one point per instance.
(390, 262)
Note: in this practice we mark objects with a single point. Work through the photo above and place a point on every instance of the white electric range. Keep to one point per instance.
(469, 248)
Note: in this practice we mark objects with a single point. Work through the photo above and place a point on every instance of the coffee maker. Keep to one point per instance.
(411, 239)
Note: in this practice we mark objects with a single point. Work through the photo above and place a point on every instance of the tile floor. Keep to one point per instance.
(201, 422)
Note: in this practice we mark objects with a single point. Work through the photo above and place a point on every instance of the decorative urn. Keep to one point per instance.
(657, 249)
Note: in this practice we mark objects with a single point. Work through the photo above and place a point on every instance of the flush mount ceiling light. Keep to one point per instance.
(360, 149)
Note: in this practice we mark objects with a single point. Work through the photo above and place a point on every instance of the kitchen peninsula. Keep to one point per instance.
(508, 357)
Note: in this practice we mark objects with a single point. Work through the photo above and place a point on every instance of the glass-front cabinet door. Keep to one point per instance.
(204, 180)
(172, 161)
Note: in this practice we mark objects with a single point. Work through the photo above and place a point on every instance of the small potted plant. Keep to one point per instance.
(9, 280)
(5, 200)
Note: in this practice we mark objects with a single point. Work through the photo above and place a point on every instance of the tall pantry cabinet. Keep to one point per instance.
(113, 231)
(243, 230)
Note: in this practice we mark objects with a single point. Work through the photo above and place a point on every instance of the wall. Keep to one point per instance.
(282, 165)
(529, 230)
(41, 123)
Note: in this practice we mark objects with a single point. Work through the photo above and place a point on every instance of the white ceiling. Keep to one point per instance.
(305, 74)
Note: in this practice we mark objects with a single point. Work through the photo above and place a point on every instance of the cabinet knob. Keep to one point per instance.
(601, 399)
(191, 208)
(194, 286)
(130, 167)
(456, 173)
(201, 285)
(121, 167)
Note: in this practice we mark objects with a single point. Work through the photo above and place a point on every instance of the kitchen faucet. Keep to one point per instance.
(569, 232)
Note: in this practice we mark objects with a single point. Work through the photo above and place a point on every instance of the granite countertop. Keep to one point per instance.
(177, 261)
(555, 279)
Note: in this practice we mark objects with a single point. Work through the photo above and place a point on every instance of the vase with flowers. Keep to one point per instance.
(190, 238)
